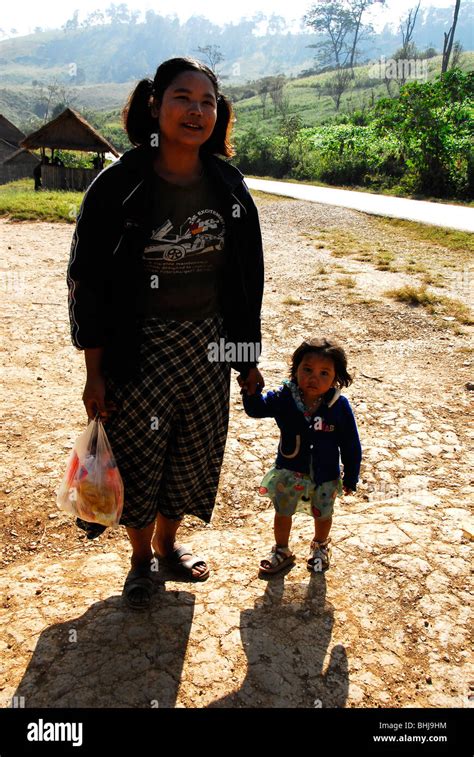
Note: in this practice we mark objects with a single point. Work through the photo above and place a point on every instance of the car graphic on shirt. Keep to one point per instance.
(196, 236)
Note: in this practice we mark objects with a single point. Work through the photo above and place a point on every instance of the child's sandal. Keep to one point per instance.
(320, 557)
(278, 559)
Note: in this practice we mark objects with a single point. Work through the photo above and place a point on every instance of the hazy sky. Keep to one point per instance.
(25, 15)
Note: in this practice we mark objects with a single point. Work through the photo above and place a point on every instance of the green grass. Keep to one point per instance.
(434, 303)
(346, 281)
(292, 301)
(457, 241)
(20, 202)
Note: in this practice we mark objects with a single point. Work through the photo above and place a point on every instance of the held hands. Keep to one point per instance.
(254, 379)
(94, 398)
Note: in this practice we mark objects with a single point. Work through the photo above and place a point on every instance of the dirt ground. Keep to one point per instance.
(386, 626)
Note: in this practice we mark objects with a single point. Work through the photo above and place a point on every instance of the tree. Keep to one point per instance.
(276, 93)
(337, 84)
(273, 86)
(449, 38)
(457, 53)
(72, 23)
(430, 120)
(95, 18)
(404, 53)
(357, 10)
(407, 27)
(332, 19)
(263, 89)
(289, 128)
(213, 55)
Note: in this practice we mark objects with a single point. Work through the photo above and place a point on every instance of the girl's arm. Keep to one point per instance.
(260, 405)
(349, 445)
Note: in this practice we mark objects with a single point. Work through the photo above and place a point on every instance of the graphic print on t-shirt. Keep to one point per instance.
(201, 233)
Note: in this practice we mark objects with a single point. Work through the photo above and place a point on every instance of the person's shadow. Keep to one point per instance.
(286, 638)
(112, 656)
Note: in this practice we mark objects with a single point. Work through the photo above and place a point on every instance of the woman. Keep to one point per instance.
(166, 261)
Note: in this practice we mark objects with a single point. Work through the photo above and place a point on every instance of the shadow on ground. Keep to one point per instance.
(112, 656)
(286, 638)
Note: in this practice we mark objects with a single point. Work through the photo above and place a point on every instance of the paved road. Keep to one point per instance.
(438, 214)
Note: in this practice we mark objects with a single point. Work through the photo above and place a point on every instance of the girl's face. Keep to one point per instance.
(188, 111)
(315, 375)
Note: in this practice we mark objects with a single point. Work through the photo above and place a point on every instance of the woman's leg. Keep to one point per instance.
(164, 542)
(140, 539)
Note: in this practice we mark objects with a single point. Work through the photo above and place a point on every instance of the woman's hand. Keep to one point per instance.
(94, 398)
(254, 379)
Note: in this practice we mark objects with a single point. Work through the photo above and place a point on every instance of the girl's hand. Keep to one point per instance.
(94, 398)
(254, 379)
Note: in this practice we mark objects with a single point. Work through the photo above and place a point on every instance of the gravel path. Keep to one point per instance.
(386, 626)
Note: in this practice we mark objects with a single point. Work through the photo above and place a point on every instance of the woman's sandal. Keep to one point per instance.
(278, 559)
(175, 562)
(137, 589)
(320, 557)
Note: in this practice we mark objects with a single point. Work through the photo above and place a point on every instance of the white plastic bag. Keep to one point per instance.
(92, 487)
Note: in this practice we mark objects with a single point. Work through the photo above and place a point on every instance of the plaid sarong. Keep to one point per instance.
(169, 432)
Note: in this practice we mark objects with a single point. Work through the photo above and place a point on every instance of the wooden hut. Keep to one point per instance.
(15, 162)
(69, 131)
(19, 165)
(9, 134)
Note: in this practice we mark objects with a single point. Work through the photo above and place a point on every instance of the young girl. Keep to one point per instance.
(166, 260)
(316, 424)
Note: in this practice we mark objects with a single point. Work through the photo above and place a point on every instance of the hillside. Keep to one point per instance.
(121, 52)
(101, 103)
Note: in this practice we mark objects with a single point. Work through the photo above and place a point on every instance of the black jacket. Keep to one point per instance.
(113, 226)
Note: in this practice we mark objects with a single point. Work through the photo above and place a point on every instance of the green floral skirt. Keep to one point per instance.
(293, 492)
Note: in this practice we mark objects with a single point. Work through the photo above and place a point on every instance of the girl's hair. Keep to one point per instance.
(140, 125)
(325, 348)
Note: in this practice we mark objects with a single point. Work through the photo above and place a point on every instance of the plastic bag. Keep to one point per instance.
(92, 488)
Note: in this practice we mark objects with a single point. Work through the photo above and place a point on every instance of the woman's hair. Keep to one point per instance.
(325, 348)
(140, 125)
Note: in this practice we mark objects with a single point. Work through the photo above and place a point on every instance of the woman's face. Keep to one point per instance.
(188, 112)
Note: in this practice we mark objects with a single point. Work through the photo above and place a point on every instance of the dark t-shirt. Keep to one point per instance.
(182, 264)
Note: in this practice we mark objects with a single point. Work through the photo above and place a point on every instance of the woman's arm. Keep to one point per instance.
(94, 390)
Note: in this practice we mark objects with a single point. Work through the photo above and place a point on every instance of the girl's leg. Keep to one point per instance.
(281, 529)
(322, 529)
(164, 541)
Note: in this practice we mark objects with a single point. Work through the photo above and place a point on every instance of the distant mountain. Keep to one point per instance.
(121, 52)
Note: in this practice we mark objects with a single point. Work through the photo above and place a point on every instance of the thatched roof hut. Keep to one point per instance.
(22, 157)
(15, 162)
(69, 131)
(9, 132)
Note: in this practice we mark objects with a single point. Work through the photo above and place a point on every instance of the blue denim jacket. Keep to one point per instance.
(312, 445)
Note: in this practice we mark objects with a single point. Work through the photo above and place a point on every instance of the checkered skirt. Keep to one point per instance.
(168, 434)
